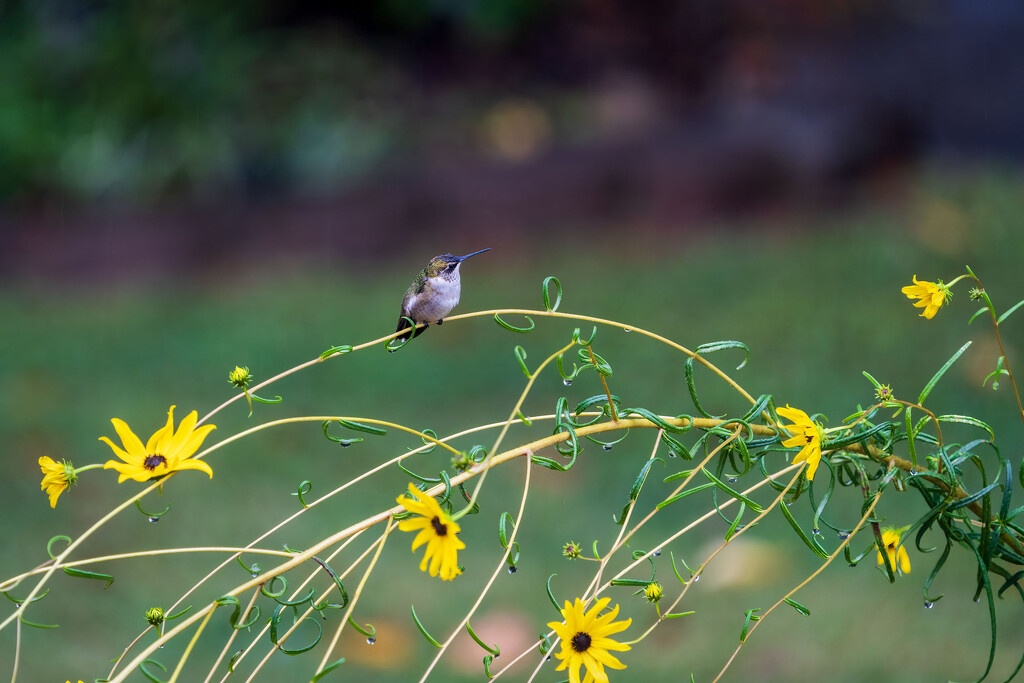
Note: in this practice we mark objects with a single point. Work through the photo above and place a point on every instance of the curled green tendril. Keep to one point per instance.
(144, 670)
(749, 616)
(423, 629)
(544, 643)
(49, 545)
(336, 439)
(551, 596)
(566, 377)
(798, 607)
(597, 362)
(275, 620)
(675, 570)
(475, 508)
(369, 631)
(96, 576)
(430, 445)
(488, 659)
(334, 577)
(513, 556)
(33, 624)
(494, 650)
(360, 427)
(394, 344)
(521, 357)
(260, 399)
(268, 588)
(19, 601)
(305, 487)
(234, 660)
(579, 340)
(546, 293)
(419, 477)
(512, 328)
(255, 568)
(153, 516)
(336, 350)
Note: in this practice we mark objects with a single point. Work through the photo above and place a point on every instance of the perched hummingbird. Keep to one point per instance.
(433, 294)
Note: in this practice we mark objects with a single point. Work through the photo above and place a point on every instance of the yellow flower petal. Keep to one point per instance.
(132, 444)
(437, 530)
(166, 451)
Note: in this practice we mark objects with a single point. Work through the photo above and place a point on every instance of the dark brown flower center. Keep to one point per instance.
(154, 461)
(440, 528)
(581, 642)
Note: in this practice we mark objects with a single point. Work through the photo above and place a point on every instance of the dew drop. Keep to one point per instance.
(627, 331)
(696, 577)
(732, 480)
(607, 447)
(345, 444)
(656, 553)
(928, 604)
(154, 519)
(567, 382)
(371, 640)
(671, 454)
(254, 574)
(548, 658)
(843, 535)
(913, 471)
(512, 569)
(816, 531)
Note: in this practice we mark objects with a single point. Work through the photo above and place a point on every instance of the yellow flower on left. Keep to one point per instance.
(437, 530)
(807, 434)
(165, 452)
(57, 477)
(930, 295)
(898, 557)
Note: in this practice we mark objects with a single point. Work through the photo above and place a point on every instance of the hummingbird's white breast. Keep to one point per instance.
(436, 300)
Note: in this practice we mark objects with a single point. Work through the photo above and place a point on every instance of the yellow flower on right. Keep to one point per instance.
(806, 434)
(930, 295)
(585, 640)
(898, 558)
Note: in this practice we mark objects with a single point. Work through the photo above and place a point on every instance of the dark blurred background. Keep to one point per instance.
(186, 186)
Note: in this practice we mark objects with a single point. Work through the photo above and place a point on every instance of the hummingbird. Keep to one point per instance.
(433, 294)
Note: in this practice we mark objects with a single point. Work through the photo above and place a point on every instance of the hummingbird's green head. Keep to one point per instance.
(447, 265)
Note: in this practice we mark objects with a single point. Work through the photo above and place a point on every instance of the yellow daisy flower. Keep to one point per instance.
(898, 558)
(57, 477)
(437, 530)
(165, 452)
(807, 434)
(585, 640)
(930, 295)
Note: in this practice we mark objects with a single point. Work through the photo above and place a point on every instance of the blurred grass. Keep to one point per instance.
(816, 297)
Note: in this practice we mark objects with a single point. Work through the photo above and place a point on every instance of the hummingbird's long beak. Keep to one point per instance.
(463, 258)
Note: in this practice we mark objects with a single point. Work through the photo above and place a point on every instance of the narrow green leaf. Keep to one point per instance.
(512, 328)
(327, 669)
(1008, 313)
(938, 375)
(732, 492)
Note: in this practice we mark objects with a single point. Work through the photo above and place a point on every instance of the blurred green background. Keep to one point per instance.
(186, 187)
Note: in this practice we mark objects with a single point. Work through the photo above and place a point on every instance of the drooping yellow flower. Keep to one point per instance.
(165, 452)
(585, 640)
(898, 558)
(807, 434)
(930, 295)
(57, 477)
(437, 530)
